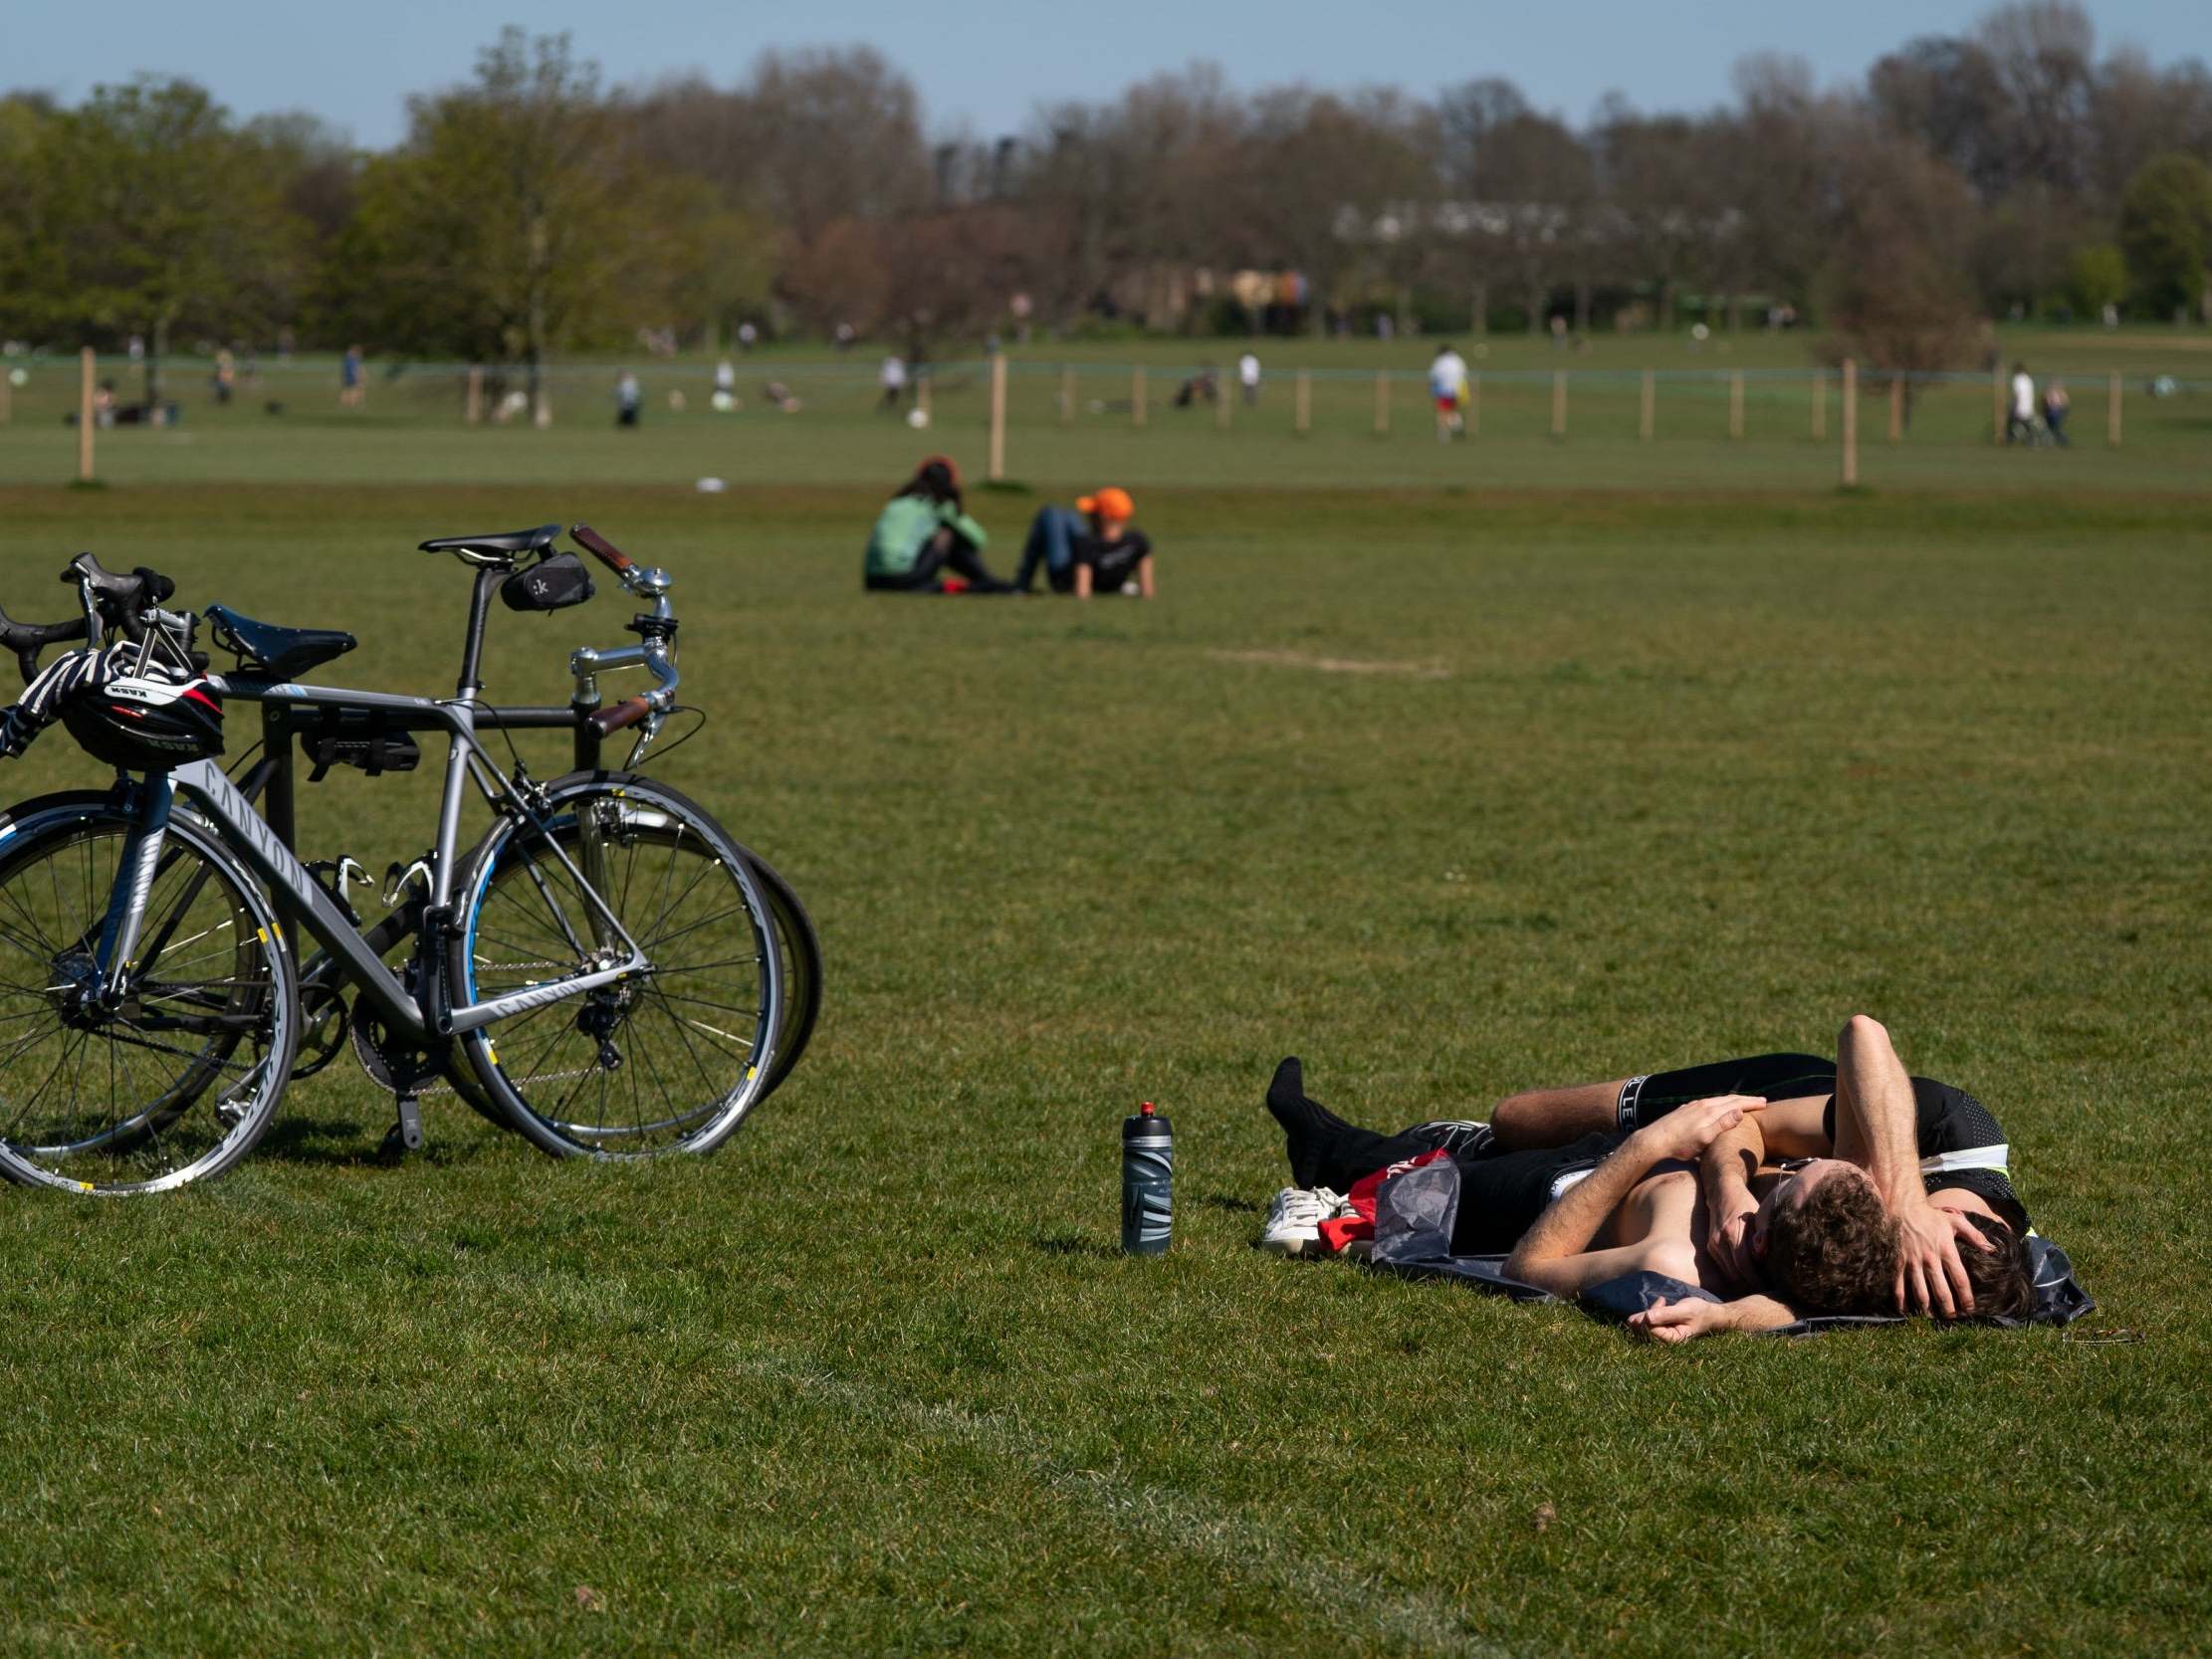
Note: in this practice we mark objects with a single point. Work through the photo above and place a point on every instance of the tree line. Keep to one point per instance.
(2010, 171)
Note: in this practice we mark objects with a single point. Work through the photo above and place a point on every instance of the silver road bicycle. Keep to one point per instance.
(606, 971)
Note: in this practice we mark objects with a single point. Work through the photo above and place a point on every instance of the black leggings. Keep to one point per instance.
(941, 553)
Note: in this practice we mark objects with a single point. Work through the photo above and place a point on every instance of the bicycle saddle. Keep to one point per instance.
(510, 542)
(283, 651)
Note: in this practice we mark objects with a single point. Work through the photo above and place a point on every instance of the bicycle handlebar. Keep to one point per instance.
(628, 711)
(119, 600)
(605, 551)
(28, 639)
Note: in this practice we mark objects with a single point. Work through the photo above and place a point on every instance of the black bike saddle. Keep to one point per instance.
(509, 541)
(283, 651)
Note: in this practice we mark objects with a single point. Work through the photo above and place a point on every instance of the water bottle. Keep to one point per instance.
(1147, 1183)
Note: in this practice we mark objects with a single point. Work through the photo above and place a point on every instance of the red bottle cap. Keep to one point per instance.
(1146, 1110)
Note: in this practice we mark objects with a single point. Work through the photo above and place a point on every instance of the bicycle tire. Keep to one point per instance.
(803, 970)
(152, 1136)
(522, 922)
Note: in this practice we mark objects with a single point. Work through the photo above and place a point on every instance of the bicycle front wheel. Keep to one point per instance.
(176, 1080)
(667, 1059)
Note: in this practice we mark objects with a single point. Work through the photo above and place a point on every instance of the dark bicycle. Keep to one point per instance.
(606, 971)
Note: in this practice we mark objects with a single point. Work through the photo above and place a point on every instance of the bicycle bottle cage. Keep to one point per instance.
(358, 737)
(552, 585)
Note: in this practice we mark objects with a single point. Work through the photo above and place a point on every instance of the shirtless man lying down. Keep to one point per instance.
(1878, 1221)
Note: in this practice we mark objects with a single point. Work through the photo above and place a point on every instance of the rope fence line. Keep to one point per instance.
(481, 394)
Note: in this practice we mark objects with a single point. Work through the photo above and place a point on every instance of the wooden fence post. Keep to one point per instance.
(998, 416)
(86, 371)
(1068, 394)
(1997, 404)
(1735, 404)
(1647, 414)
(1474, 404)
(472, 405)
(923, 399)
(1820, 404)
(2111, 413)
(1896, 407)
(1381, 400)
(1302, 419)
(1850, 424)
(1137, 395)
(7, 400)
(1558, 403)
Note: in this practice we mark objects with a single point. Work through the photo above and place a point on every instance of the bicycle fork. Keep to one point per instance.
(117, 955)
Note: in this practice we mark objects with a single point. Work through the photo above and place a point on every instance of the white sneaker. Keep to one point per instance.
(1294, 1220)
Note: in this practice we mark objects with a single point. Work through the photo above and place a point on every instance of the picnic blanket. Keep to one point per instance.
(1414, 1210)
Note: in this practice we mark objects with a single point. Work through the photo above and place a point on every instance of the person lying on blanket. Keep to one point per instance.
(1864, 1226)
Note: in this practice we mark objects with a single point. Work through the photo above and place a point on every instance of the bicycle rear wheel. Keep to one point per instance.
(803, 970)
(177, 1082)
(669, 1060)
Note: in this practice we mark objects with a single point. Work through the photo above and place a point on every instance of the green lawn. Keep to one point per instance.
(413, 430)
(1633, 779)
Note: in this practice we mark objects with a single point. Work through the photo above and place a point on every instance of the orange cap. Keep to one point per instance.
(1109, 503)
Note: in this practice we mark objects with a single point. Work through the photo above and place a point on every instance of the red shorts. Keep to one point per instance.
(1448, 406)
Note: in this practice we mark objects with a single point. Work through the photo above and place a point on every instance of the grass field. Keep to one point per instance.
(411, 426)
(1627, 779)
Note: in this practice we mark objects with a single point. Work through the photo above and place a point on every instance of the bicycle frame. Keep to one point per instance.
(264, 839)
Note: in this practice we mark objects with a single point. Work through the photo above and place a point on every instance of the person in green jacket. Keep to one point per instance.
(924, 532)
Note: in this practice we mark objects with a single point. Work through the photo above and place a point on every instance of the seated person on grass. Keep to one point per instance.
(1092, 549)
(1866, 1231)
(922, 531)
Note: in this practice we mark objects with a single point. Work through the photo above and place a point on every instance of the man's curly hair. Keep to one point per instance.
(2004, 1287)
(1837, 1252)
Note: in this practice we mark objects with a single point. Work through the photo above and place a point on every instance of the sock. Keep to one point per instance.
(1324, 1150)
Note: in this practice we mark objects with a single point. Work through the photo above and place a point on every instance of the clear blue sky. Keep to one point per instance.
(986, 63)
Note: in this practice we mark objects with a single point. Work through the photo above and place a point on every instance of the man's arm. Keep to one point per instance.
(1555, 1253)
(1082, 580)
(1725, 1174)
(1678, 1322)
(1144, 577)
(1877, 1127)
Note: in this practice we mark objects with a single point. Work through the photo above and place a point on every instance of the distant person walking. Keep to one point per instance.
(2019, 418)
(1248, 376)
(893, 380)
(629, 397)
(2056, 407)
(1447, 388)
(349, 388)
(922, 531)
(1093, 549)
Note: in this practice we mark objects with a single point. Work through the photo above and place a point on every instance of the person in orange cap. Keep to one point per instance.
(1092, 548)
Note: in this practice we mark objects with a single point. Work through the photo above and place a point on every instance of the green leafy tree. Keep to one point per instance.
(147, 212)
(518, 220)
(2096, 279)
(2166, 230)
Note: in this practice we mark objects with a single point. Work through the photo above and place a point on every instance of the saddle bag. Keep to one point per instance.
(552, 585)
(362, 739)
